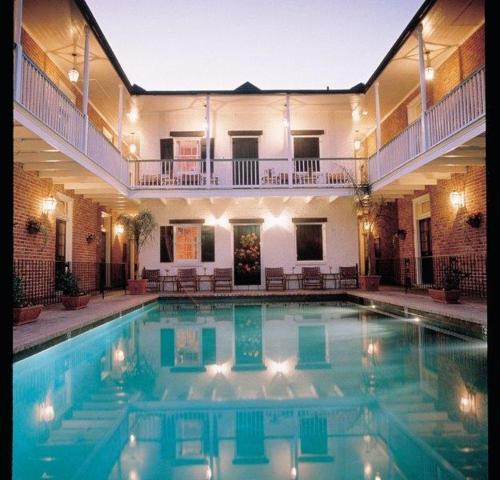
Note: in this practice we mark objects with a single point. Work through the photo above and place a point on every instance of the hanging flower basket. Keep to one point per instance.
(474, 220)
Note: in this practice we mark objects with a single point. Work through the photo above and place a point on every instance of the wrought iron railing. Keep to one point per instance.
(429, 272)
(39, 278)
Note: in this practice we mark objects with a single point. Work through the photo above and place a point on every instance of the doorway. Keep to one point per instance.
(60, 253)
(247, 265)
(245, 161)
(426, 267)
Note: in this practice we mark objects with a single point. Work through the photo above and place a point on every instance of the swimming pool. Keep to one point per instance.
(251, 390)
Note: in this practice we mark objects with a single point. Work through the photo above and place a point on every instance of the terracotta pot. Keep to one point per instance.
(75, 303)
(26, 314)
(137, 287)
(369, 282)
(444, 296)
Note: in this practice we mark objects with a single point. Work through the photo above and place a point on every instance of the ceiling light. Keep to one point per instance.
(133, 115)
(357, 145)
(132, 148)
(73, 74)
(429, 73)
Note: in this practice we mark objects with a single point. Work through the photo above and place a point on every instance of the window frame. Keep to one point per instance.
(323, 244)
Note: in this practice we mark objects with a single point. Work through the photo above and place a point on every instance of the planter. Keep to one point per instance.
(137, 287)
(444, 296)
(24, 315)
(369, 282)
(75, 303)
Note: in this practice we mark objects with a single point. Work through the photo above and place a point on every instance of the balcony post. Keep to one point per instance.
(19, 50)
(289, 142)
(423, 85)
(85, 100)
(207, 142)
(378, 132)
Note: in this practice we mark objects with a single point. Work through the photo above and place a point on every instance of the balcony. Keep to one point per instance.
(278, 173)
(43, 99)
(461, 108)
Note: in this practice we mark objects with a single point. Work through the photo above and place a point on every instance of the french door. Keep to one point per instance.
(60, 253)
(426, 267)
(246, 254)
(245, 161)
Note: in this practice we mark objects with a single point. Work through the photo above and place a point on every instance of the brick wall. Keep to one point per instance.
(451, 235)
(29, 191)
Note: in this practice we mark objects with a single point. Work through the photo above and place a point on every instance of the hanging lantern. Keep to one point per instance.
(49, 204)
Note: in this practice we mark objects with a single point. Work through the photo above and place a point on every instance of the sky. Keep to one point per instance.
(275, 44)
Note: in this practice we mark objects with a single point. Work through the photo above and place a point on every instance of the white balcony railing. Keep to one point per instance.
(458, 109)
(41, 97)
(247, 173)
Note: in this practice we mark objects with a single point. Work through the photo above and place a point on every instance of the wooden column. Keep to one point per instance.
(85, 100)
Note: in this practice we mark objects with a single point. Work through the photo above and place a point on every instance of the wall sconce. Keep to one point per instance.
(367, 226)
(457, 199)
(49, 204)
(133, 115)
(466, 403)
(119, 229)
(73, 74)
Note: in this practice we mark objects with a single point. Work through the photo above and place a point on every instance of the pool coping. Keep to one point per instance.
(30, 348)
(453, 324)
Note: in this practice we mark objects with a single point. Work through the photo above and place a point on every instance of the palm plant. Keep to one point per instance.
(138, 228)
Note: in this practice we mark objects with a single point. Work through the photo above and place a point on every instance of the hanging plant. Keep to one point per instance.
(35, 226)
(90, 237)
(474, 219)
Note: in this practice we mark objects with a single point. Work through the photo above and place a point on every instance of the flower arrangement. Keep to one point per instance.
(35, 226)
(474, 219)
(247, 254)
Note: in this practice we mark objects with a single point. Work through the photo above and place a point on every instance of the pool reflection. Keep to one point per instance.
(265, 391)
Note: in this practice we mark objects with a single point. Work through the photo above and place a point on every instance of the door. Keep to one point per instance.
(246, 254)
(426, 268)
(306, 153)
(60, 253)
(245, 161)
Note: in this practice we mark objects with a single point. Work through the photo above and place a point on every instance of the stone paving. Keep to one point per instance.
(56, 322)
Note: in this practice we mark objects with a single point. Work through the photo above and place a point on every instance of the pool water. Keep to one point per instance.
(253, 391)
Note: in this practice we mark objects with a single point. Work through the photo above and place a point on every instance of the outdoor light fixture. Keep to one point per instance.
(364, 113)
(132, 148)
(357, 145)
(429, 71)
(371, 349)
(119, 229)
(457, 199)
(132, 440)
(465, 404)
(293, 473)
(355, 115)
(73, 74)
(133, 115)
(366, 226)
(49, 204)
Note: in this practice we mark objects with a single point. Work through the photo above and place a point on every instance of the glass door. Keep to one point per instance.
(245, 161)
(247, 254)
(60, 253)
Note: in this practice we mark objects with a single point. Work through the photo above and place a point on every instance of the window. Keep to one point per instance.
(306, 149)
(188, 150)
(309, 242)
(187, 239)
(187, 346)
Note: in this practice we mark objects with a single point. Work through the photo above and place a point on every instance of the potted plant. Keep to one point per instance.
(23, 311)
(73, 298)
(139, 229)
(450, 291)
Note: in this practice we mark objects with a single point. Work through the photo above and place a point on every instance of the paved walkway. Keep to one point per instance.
(469, 310)
(56, 322)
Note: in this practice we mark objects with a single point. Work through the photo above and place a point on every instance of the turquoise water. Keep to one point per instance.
(253, 391)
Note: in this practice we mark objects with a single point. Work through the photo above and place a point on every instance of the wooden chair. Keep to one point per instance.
(222, 279)
(350, 276)
(312, 278)
(275, 278)
(187, 279)
(153, 278)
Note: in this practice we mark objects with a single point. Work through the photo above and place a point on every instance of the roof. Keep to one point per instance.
(247, 87)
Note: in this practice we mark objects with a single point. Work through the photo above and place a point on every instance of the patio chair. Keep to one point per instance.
(349, 276)
(187, 279)
(222, 279)
(312, 278)
(153, 278)
(275, 278)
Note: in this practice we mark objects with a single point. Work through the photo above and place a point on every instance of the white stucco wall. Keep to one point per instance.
(278, 246)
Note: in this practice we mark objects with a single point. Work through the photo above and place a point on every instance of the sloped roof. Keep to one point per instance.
(247, 87)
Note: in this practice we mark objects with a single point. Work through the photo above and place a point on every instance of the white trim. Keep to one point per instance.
(416, 231)
(68, 218)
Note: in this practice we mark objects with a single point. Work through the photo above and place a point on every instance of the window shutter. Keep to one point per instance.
(167, 153)
(207, 243)
(167, 347)
(203, 155)
(167, 243)
(209, 346)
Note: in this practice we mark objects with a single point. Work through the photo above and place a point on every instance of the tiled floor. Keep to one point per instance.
(55, 321)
